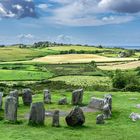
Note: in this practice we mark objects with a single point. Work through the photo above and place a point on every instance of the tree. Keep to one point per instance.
(119, 80)
(122, 79)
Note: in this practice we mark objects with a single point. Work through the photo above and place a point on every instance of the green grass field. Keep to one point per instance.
(22, 54)
(77, 48)
(20, 75)
(61, 79)
(120, 127)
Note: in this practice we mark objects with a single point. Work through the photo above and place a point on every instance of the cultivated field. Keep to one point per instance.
(129, 65)
(78, 58)
(84, 81)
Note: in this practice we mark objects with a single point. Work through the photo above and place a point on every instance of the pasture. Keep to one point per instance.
(46, 68)
(9, 54)
(20, 75)
(85, 48)
(118, 127)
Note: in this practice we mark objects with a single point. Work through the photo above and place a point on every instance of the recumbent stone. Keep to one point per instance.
(100, 119)
(62, 101)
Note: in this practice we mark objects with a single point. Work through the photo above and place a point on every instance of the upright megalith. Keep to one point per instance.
(47, 96)
(27, 97)
(106, 111)
(77, 97)
(55, 119)
(14, 93)
(37, 114)
(10, 109)
(1, 100)
(108, 99)
(75, 117)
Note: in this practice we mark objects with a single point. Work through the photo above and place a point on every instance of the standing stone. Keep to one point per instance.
(108, 99)
(107, 111)
(100, 119)
(1, 101)
(11, 109)
(55, 121)
(37, 114)
(15, 94)
(75, 117)
(77, 97)
(62, 101)
(27, 97)
(47, 96)
(96, 103)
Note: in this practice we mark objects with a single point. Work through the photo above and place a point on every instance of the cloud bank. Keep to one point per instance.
(73, 12)
(122, 6)
(94, 12)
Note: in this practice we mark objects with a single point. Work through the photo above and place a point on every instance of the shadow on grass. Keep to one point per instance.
(19, 122)
(116, 114)
(83, 127)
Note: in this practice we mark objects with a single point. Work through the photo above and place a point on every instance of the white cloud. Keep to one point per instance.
(2, 10)
(86, 13)
(43, 7)
(25, 36)
(63, 38)
(29, 0)
(17, 6)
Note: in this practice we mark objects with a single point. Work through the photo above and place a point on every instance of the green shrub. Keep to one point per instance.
(119, 80)
(132, 88)
(126, 80)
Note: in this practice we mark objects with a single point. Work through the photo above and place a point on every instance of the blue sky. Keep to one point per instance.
(106, 22)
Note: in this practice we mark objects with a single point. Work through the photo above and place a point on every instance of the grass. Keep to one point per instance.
(20, 75)
(22, 54)
(120, 127)
(44, 69)
(77, 48)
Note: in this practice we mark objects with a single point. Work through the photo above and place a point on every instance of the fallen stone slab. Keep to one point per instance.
(96, 103)
(134, 116)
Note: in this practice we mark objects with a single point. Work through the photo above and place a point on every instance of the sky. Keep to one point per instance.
(93, 22)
